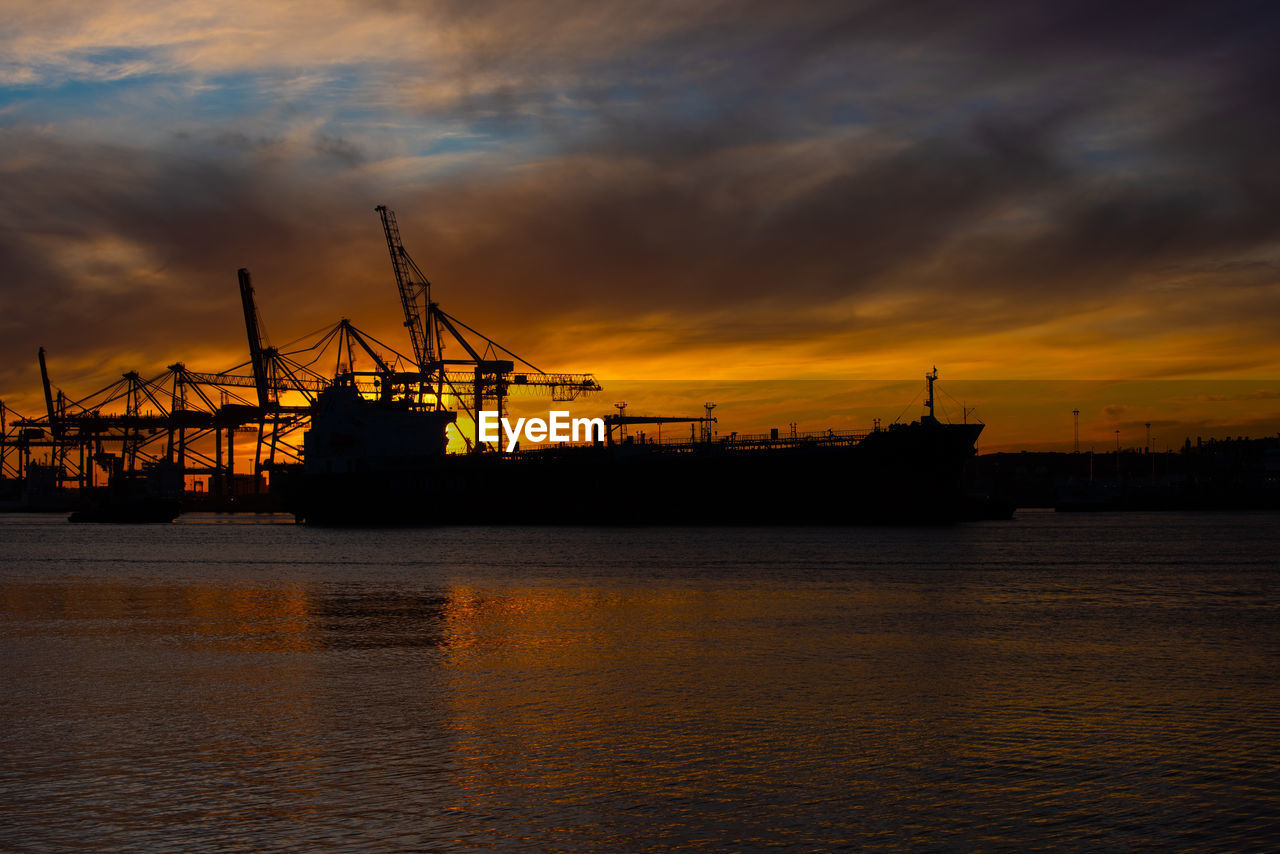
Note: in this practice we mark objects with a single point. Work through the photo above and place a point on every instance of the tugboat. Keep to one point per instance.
(134, 497)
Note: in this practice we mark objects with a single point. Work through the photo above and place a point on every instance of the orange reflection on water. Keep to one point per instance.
(258, 619)
(262, 619)
(573, 692)
(216, 680)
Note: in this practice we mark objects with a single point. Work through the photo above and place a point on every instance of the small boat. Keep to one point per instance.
(126, 500)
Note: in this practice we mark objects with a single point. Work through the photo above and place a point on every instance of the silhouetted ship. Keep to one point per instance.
(146, 508)
(150, 494)
(371, 462)
(131, 497)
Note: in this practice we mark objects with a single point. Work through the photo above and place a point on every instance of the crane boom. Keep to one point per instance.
(412, 293)
(254, 331)
(429, 327)
(48, 395)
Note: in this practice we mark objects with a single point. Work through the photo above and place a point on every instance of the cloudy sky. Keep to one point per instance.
(1010, 190)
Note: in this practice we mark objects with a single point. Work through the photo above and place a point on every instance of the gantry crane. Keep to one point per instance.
(491, 375)
(253, 328)
(415, 295)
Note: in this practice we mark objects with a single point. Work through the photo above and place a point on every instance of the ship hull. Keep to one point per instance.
(133, 510)
(908, 475)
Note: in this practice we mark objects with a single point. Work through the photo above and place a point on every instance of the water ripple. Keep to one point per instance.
(1054, 684)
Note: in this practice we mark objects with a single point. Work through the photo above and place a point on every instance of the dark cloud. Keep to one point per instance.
(984, 110)
(132, 254)
(732, 167)
(713, 233)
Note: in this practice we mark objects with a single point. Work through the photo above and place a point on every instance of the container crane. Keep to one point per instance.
(257, 357)
(415, 295)
(492, 372)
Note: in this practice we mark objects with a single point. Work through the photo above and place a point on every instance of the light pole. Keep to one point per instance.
(1117, 456)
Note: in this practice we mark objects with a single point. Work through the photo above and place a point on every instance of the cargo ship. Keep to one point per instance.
(376, 450)
(367, 462)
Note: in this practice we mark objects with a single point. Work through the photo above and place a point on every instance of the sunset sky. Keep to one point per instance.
(1051, 191)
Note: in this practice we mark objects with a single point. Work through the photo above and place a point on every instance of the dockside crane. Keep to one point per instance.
(492, 366)
(175, 425)
(48, 395)
(415, 295)
(253, 329)
(55, 423)
(274, 372)
(13, 439)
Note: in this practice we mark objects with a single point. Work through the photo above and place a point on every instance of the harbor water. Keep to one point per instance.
(1057, 682)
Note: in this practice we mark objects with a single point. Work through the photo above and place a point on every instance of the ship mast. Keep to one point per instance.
(929, 379)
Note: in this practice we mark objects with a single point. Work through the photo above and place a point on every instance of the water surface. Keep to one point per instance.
(1077, 682)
